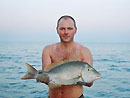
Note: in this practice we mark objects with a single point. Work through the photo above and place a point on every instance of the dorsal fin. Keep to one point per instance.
(52, 65)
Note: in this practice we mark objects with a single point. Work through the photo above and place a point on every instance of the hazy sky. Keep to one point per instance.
(35, 20)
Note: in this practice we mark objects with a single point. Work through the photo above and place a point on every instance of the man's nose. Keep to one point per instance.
(66, 31)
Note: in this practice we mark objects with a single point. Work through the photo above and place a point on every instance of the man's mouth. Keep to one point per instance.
(66, 37)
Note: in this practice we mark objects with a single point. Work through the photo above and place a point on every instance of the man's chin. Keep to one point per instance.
(66, 41)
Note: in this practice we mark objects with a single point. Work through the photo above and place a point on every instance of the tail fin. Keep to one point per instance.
(31, 72)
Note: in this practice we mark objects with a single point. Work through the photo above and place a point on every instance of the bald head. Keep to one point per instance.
(66, 17)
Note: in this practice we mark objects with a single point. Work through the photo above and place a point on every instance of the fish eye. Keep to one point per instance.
(89, 69)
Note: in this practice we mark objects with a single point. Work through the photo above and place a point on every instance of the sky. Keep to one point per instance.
(35, 20)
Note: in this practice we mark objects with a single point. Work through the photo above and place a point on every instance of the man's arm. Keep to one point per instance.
(87, 57)
(46, 60)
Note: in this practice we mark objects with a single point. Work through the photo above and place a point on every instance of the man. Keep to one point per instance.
(64, 50)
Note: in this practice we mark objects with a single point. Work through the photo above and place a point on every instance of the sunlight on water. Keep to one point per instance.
(111, 60)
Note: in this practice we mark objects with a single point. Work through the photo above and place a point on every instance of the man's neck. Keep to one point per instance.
(67, 45)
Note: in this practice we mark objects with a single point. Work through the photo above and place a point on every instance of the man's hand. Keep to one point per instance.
(89, 84)
(85, 84)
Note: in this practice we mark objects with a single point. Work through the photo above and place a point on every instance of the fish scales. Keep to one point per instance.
(66, 73)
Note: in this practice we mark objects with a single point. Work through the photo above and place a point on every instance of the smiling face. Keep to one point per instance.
(66, 30)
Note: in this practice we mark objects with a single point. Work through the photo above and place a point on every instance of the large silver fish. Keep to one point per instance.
(65, 73)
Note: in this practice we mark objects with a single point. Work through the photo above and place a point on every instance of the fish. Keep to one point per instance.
(63, 73)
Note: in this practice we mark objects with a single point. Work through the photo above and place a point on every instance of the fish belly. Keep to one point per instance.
(66, 76)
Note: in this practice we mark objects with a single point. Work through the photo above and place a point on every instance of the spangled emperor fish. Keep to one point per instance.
(65, 73)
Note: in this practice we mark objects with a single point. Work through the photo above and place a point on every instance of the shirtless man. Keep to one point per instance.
(64, 50)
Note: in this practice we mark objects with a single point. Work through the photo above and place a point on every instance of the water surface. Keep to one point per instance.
(111, 60)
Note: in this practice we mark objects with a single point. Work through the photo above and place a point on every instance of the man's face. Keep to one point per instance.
(66, 30)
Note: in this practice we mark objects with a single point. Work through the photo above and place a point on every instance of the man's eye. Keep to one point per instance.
(61, 28)
(70, 28)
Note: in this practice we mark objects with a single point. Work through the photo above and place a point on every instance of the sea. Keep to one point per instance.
(111, 60)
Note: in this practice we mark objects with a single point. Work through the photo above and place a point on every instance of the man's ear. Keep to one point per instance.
(75, 30)
(57, 30)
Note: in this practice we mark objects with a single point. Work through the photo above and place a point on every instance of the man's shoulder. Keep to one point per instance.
(50, 46)
(82, 47)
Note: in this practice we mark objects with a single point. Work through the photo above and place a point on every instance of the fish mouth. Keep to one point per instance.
(98, 76)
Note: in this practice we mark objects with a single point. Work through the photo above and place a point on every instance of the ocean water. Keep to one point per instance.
(111, 60)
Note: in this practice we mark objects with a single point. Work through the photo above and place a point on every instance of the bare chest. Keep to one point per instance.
(59, 55)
